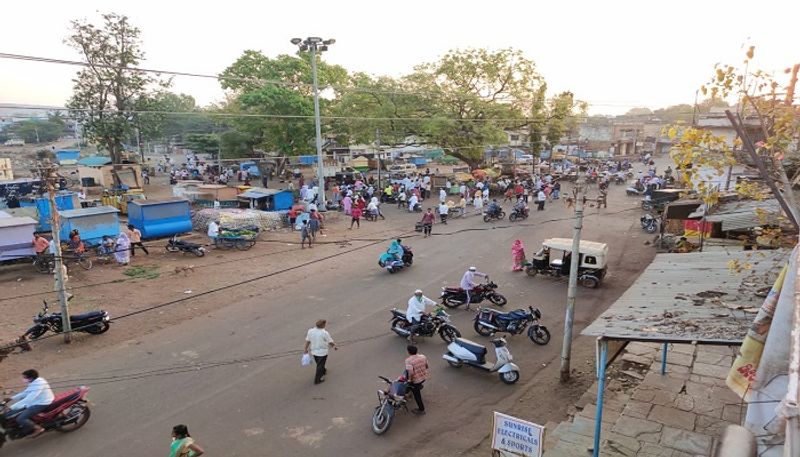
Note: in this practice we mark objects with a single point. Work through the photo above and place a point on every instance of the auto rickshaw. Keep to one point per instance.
(555, 257)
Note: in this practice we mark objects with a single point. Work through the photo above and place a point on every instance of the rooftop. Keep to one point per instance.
(742, 214)
(90, 211)
(694, 297)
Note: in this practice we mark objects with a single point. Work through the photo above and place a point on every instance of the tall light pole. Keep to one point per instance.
(316, 44)
(572, 289)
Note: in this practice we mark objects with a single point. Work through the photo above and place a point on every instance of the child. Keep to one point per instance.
(304, 235)
(292, 214)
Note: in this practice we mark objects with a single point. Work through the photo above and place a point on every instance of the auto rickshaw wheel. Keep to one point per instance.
(590, 282)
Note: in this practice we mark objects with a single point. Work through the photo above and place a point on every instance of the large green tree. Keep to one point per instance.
(38, 130)
(108, 90)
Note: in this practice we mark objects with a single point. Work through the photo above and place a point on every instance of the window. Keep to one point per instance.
(513, 138)
(590, 260)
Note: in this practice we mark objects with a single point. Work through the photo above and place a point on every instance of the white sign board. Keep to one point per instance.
(516, 436)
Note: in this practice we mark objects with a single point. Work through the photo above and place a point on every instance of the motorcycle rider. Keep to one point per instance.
(415, 311)
(493, 208)
(33, 400)
(396, 249)
(520, 207)
(468, 282)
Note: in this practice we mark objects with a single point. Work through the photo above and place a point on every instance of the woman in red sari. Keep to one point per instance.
(518, 255)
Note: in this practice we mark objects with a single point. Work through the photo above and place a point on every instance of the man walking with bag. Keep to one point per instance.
(318, 341)
(417, 369)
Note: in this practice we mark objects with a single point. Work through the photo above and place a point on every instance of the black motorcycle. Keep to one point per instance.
(490, 321)
(436, 322)
(492, 214)
(453, 297)
(94, 322)
(176, 245)
(389, 401)
(518, 214)
(649, 223)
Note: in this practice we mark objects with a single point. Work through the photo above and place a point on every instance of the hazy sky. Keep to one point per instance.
(614, 54)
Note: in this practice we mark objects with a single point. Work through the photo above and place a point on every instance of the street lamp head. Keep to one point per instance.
(304, 48)
(313, 40)
(323, 48)
(296, 41)
(329, 41)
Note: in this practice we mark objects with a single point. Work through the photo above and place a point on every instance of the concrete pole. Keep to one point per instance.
(322, 206)
(60, 280)
(566, 346)
(378, 156)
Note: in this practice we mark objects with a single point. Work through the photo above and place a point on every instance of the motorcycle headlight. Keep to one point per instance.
(106, 318)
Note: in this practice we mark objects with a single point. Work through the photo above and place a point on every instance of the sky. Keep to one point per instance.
(614, 54)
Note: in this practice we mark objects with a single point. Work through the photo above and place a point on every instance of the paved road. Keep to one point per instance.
(269, 406)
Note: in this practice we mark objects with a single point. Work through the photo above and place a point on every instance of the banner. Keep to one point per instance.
(691, 228)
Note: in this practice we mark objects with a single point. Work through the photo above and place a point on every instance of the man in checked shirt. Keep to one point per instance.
(417, 369)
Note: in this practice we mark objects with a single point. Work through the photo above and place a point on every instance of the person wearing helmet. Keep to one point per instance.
(468, 282)
(415, 311)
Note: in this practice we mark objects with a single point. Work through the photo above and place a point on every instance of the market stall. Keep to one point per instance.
(16, 234)
(93, 223)
(163, 217)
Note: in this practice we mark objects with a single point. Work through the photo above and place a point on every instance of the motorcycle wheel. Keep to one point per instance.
(453, 364)
(98, 329)
(539, 335)
(497, 299)
(171, 248)
(590, 282)
(449, 333)
(198, 252)
(532, 272)
(501, 216)
(509, 377)
(487, 218)
(81, 412)
(398, 323)
(36, 333)
(651, 228)
(42, 266)
(382, 419)
(481, 330)
(85, 263)
(512, 217)
(452, 302)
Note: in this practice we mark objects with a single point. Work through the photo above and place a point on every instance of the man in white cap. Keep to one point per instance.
(416, 308)
(468, 282)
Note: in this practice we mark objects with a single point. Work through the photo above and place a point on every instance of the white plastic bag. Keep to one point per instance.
(305, 360)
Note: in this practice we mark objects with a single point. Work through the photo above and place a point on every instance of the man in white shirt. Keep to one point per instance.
(412, 203)
(541, 197)
(468, 282)
(415, 310)
(444, 210)
(213, 231)
(442, 195)
(33, 400)
(318, 340)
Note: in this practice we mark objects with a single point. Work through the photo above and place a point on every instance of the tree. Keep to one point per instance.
(278, 89)
(39, 130)
(639, 111)
(202, 143)
(108, 90)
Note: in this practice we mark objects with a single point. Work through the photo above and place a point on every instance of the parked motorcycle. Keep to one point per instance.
(489, 321)
(68, 412)
(438, 322)
(390, 399)
(465, 352)
(649, 223)
(518, 214)
(494, 214)
(94, 322)
(176, 245)
(453, 297)
(393, 265)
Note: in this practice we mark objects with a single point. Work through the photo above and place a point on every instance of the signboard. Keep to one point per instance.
(512, 436)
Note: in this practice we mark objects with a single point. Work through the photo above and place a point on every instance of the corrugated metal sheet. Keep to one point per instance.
(691, 297)
(740, 215)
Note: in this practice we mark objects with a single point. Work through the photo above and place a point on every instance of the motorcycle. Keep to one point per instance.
(619, 178)
(393, 265)
(453, 297)
(518, 214)
(465, 352)
(494, 214)
(436, 322)
(649, 223)
(176, 245)
(489, 321)
(389, 401)
(93, 322)
(68, 412)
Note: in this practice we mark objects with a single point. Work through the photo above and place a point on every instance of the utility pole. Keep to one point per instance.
(378, 146)
(48, 172)
(566, 346)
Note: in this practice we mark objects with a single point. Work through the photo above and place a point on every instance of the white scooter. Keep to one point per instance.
(463, 351)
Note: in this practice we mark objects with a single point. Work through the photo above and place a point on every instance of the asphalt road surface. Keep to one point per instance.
(260, 401)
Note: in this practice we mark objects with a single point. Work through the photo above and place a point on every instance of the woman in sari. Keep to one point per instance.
(518, 255)
(182, 443)
(123, 250)
(347, 204)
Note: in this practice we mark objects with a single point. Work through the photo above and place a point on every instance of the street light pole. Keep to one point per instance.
(566, 346)
(315, 45)
(50, 177)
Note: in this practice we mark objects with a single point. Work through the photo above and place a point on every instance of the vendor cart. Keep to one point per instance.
(240, 238)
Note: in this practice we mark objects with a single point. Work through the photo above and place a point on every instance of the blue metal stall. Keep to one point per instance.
(92, 223)
(65, 200)
(156, 218)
